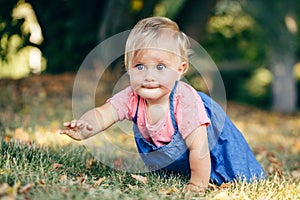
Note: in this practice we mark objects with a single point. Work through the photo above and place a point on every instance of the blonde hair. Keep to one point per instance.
(148, 32)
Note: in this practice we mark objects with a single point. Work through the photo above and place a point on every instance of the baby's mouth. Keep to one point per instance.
(150, 86)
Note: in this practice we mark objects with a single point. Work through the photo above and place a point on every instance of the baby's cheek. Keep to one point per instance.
(168, 82)
(135, 82)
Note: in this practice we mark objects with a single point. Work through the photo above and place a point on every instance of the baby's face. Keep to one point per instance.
(154, 73)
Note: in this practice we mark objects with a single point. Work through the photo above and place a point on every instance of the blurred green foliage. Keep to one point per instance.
(235, 36)
(234, 41)
(8, 26)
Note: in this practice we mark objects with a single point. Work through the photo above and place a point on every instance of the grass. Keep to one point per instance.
(67, 173)
(34, 172)
(37, 163)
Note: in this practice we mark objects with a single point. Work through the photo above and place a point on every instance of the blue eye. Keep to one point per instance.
(160, 67)
(140, 66)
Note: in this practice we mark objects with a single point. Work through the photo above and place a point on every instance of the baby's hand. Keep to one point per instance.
(77, 129)
(194, 188)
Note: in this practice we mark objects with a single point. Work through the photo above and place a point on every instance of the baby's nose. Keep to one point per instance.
(150, 74)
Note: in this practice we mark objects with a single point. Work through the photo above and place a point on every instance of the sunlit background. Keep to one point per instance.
(239, 35)
(254, 44)
(18, 62)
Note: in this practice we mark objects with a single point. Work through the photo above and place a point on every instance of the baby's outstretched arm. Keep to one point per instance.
(199, 160)
(91, 123)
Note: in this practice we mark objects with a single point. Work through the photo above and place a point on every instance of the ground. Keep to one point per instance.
(36, 161)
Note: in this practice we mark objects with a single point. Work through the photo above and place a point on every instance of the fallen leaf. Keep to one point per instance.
(7, 138)
(132, 187)
(9, 193)
(26, 188)
(168, 191)
(274, 169)
(56, 166)
(297, 146)
(272, 158)
(42, 182)
(4, 189)
(63, 177)
(225, 185)
(99, 181)
(296, 174)
(140, 178)
(81, 180)
(90, 162)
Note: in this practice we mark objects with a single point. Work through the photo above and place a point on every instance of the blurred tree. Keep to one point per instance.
(72, 28)
(231, 38)
(121, 15)
(250, 39)
(69, 29)
(193, 17)
(278, 25)
(21, 36)
(9, 26)
(268, 32)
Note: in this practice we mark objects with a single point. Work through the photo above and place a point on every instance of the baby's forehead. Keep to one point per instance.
(156, 52)
(159, 44)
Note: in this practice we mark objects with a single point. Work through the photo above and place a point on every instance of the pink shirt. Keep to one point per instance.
(189, 113)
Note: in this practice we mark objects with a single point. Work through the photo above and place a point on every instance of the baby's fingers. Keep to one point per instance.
(64, 131)
(67, 124)
(72, 134)
(73, 124)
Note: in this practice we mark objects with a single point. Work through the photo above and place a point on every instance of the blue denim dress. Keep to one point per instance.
(231, 157)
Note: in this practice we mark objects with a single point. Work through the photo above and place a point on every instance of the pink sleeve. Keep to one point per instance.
(190, 111)
(125, 103)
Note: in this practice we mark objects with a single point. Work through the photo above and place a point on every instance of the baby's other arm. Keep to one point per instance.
(91, 123)
(199, 160)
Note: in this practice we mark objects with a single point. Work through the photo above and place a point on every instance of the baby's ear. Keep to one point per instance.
(182, 69)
